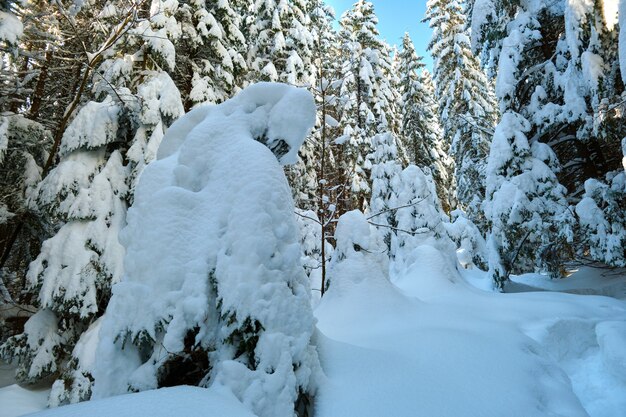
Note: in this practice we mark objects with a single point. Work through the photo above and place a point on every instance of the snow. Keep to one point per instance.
(11, 28)
(275, 110)
(428, 343)
(16, 401)
(212, 244)
(433, 345)
(166, 402)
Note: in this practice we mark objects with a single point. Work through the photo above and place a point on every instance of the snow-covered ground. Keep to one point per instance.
(431, 344)
(438, 347)
(176, 401)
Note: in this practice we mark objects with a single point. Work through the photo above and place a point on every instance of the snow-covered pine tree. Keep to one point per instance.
(210, 54)
(280, 42)
(560, 71)
(420, 122)
(467, 106)
(385, 169)
(365, 96)
(602, 220)
(202, 300)
(102, 152)
(526, 208)
(73, 273)
(315, 154)
(23, 145)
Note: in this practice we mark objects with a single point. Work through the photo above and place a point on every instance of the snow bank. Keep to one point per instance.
(167, 402)
(434, 346)
(213, 258)
(17, 401)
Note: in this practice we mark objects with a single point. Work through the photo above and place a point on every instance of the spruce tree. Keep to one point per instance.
(558, 69)
(210, 54)
(385, 169)
(365, 96)
(280, 42)
(466, 104)
(526, 207)
(102, 152)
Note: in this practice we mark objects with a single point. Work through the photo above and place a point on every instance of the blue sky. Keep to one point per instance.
(394, 18)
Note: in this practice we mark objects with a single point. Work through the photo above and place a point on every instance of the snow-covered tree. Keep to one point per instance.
(204, 301)
(601, 214)
(311, 250)
(420, 121)
(558, 68)
(365, 96)
(23, 145)
(102, 151)
(73, 273)
(466, 104)
(385, 169)
(525, 206)
(317, 153)
(419, 216)
(280, 42)
(210, 54)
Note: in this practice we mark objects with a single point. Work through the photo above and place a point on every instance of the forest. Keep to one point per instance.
(146, 243)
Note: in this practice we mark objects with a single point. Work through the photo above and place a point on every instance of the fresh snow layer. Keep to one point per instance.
(429, 344)
(166, 402)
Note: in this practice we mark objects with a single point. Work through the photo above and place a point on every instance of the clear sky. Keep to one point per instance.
(394, 18)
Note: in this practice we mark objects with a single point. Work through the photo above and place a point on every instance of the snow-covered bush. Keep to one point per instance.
(419, 217)
(214, 291)
(360, 254)
(602, 217)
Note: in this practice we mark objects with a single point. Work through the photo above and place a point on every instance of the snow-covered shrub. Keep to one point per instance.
(471, 246)
(419, 217)
(214, 291)
(360, 253)
(602, 218)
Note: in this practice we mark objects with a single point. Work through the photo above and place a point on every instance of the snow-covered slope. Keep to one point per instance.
(167, 402)
(431, 345)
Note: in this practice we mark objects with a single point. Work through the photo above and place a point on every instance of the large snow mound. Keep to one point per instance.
(16, 401)
(166, 402)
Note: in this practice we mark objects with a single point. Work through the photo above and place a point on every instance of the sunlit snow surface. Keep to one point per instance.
(427, 345)
(432, 345)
